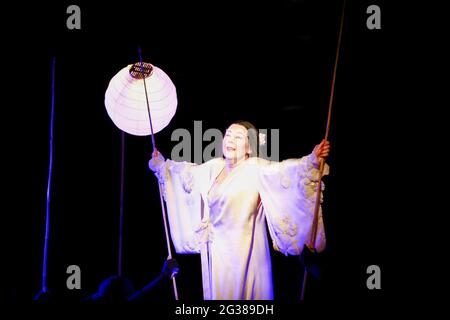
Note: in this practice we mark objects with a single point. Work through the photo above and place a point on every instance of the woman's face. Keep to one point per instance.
(235, 145)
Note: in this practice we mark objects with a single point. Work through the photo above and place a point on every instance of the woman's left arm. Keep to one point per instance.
(288, 192)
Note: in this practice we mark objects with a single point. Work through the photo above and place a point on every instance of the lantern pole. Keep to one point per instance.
(166, 230)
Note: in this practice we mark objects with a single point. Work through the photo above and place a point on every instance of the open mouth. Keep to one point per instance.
(230, 149)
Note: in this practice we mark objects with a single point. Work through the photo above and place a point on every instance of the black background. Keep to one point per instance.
(269, 62)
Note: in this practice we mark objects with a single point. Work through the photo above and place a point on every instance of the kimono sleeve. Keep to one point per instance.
(180, 183)
(288, 194)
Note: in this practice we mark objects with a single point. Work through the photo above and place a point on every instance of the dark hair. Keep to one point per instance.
(253, 136)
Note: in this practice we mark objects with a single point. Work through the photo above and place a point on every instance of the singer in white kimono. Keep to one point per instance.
(219, 209)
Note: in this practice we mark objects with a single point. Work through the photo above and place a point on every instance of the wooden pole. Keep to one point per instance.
(166, 230)
(312, 241)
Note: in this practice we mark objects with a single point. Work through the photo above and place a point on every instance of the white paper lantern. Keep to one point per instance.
(126, 104)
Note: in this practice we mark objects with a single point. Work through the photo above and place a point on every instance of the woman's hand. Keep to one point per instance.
(156, 154)
(156, 162)
(322, 150)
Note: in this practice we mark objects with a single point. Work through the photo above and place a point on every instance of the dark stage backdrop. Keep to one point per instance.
(269, 62)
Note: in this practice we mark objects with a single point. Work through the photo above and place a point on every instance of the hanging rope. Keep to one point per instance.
(44, 288)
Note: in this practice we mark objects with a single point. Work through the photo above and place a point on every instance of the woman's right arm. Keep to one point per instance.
(180, 184)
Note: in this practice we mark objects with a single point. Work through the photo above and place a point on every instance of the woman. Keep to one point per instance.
(219, 209)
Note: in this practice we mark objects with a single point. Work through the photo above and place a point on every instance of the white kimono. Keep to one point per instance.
(226, 224)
